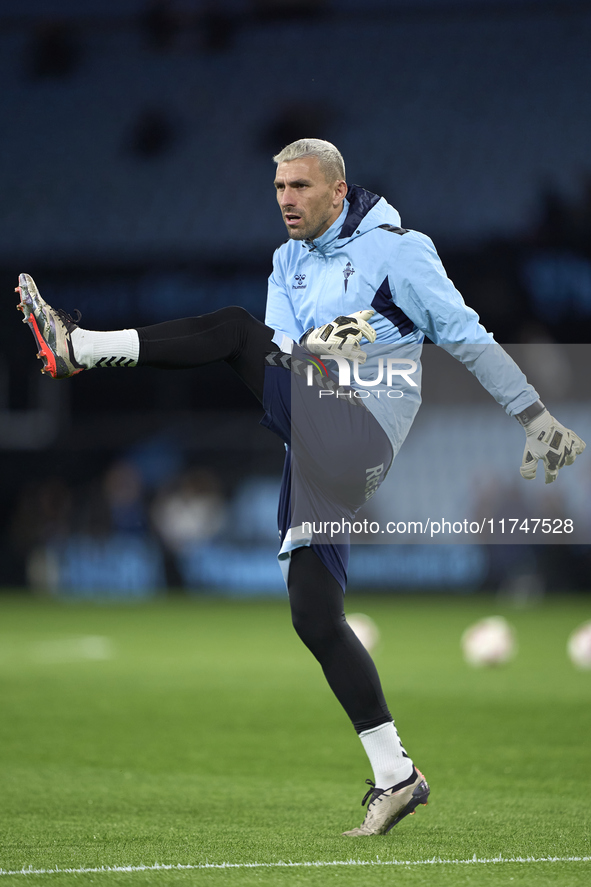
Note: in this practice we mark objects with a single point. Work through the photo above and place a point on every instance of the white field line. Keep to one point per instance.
(160, 867)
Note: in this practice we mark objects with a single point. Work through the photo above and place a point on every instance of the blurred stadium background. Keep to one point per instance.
(136, 148)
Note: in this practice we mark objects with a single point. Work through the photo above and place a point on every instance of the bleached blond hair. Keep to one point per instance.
(330, 158)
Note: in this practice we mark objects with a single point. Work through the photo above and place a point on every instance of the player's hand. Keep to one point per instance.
(549, 441)
(342, 336)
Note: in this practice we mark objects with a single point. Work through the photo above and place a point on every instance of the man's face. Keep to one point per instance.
(309, 204)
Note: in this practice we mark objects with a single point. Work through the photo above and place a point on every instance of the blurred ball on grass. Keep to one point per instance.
(579, 646)
(365, 629)
(489, 642)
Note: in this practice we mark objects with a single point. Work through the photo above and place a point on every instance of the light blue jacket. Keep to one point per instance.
(365, 260)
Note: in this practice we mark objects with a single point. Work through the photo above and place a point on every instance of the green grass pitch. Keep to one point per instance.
(201, 732)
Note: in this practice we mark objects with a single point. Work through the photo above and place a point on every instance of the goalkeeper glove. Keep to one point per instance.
(341, 337)
(548, 440)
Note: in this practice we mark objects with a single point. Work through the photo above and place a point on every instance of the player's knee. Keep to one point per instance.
(316, 633)
(236, 314)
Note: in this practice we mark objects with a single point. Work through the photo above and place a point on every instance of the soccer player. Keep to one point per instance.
(348, 272)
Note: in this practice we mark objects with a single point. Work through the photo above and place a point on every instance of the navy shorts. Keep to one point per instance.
(337, 456)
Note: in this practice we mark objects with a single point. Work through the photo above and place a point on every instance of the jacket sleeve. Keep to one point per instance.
(420, 286)
(279, 314)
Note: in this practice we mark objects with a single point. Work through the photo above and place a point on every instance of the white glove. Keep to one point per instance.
(551, 442)
(342, 336)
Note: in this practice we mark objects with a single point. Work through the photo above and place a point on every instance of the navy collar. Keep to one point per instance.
(360, 203)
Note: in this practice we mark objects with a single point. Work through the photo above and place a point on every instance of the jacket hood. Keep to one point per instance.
(364, 212)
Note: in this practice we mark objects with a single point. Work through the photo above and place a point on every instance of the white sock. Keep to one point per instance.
(119, 348)
(386, 755)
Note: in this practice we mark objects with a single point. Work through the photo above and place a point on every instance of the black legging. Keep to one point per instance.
(316, 598)
(230, 334)
(317, 613)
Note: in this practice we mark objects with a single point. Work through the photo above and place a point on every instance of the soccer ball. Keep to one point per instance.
(579, 646)
(365, 629)
(490, 641)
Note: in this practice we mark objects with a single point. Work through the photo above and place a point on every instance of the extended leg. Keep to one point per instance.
(230, 334)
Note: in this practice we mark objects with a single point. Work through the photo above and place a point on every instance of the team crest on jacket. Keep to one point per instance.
(299, 282)
(347, 272)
